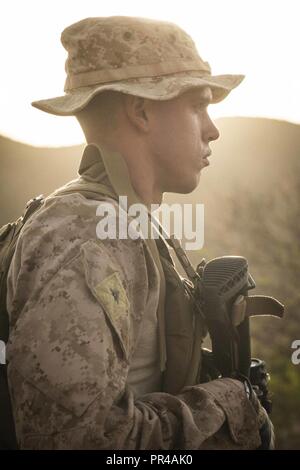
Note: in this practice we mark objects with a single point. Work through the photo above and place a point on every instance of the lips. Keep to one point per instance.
(205, 158)
(205, 161)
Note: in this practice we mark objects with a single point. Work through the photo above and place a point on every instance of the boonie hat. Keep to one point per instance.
(142, 57)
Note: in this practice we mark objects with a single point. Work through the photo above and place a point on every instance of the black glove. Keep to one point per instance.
(267, 436)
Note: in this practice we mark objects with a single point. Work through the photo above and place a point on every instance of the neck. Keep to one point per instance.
(143, 177)
(140, 168)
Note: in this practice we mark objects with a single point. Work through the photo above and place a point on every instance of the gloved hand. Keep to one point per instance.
(266, 428)
(267, 435)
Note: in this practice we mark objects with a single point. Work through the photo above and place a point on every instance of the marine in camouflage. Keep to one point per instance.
(79, 311)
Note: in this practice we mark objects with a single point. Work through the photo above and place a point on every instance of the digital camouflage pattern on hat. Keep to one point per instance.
(138, 56)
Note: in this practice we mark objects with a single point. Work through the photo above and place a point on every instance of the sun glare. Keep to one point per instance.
(258, 39)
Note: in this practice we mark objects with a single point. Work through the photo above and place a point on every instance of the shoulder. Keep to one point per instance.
(61, 237)
(65, 223)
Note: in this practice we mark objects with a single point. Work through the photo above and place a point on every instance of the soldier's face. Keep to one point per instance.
(179, 140)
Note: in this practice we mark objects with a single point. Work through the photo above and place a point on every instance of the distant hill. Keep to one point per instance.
(27, 171)
(251, 153)
(254, 158)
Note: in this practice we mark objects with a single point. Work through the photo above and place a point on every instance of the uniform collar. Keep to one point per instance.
(100, 165)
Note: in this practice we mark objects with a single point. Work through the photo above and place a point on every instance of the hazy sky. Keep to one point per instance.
(259, 38)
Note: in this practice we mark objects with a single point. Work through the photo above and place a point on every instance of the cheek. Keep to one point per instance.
(186, 134)
(165, 139)
(176, 140)
(193, 130)
(189, 129)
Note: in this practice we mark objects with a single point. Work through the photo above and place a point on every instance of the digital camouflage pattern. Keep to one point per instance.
(110, 44)
(77, 307)
(142, 57)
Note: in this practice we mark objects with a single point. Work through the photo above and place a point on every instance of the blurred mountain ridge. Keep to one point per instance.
(252, 153)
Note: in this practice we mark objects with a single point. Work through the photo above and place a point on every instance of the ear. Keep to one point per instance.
(136, 109)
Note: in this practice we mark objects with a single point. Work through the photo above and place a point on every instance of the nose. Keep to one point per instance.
(211, 131)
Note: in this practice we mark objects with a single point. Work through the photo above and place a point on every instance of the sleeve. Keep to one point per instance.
(69, 356)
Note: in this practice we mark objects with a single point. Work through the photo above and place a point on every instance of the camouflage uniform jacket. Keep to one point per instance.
(76, 307)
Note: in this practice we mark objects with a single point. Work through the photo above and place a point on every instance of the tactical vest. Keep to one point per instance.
(184, 330)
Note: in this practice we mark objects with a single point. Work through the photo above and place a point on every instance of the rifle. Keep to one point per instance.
(219, 289)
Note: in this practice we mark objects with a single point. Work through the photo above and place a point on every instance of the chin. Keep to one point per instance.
(188, 186)
(184, 184)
